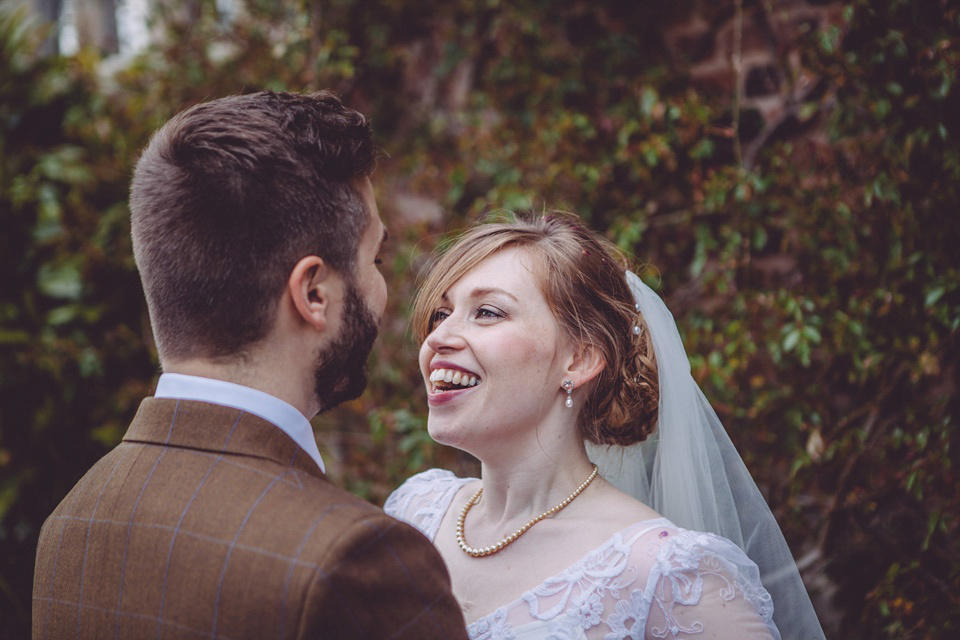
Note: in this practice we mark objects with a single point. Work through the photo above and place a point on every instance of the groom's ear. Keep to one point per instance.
(313, 287)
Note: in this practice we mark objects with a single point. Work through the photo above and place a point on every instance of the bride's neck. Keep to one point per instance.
(514, 492)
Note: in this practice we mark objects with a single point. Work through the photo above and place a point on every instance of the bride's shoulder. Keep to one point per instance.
(675, 548)
(675, 553)
(685, 549)
(620, 510)
(659, 544)
(430, 481)
(424, 498)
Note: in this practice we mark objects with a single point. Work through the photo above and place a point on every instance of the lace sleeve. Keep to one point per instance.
(702, 585)
(423, 499)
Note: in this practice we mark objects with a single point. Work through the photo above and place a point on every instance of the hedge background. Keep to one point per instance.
(787, 174)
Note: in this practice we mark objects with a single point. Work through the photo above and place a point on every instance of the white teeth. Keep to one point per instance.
(454, 377)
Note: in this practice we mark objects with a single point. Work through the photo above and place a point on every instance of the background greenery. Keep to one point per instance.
(815, 278)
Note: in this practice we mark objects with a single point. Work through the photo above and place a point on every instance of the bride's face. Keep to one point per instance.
(493, 364)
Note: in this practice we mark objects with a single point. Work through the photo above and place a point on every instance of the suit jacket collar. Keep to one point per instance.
(218, 429)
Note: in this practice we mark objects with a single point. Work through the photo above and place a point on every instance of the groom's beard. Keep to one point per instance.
(341, 369)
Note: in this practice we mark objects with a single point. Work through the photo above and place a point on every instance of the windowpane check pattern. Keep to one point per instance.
(209, 522)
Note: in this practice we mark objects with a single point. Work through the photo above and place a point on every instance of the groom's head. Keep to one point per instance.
(240, 201)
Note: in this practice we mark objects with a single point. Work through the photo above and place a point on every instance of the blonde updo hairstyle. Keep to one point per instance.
(582, 277)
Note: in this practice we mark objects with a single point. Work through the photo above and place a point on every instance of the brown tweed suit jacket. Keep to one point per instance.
(209, 522)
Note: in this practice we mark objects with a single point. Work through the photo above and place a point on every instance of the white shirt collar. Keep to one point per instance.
(284, 415)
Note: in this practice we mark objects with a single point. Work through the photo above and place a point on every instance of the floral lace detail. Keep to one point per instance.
(685, 564)
(492, 627)
(564, 628)
(605, 570)
(636, 585)
(423, 499)
(629, 618)
(586, 611)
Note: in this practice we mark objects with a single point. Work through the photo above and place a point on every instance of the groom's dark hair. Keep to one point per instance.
(225, 200)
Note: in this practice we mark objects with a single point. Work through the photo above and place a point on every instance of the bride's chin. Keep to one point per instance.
(445, 434)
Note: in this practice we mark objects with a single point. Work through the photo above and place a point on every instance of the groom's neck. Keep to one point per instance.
(254, 370)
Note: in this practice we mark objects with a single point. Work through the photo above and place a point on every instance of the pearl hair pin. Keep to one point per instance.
(486, 551)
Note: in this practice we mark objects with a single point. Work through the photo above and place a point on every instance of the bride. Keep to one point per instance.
(611, 503)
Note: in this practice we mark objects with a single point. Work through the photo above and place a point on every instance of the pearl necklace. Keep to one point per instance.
(486, 551)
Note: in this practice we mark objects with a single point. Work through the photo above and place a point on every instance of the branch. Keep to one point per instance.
(737, 61)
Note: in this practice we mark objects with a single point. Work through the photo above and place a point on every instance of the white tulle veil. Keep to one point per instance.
(689, 471)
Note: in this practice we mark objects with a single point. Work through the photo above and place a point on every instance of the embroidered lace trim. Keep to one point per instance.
(652, 580)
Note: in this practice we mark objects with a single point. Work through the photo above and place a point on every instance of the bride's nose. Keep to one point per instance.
(446, 336)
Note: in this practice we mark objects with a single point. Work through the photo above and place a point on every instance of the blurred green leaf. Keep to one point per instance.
(60, 281)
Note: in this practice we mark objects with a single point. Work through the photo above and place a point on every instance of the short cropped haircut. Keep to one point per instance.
(583, 277)
(228, 196)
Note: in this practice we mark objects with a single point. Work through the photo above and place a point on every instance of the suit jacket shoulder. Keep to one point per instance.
(209, 521)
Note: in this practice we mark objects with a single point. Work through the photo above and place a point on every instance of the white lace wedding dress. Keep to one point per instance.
(650, 580)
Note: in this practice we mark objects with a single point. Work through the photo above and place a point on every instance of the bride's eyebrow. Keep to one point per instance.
(485, 291)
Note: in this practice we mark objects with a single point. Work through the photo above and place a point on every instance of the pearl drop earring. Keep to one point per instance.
(568, 387)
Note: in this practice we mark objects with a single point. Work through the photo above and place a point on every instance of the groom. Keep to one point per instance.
(257, 236)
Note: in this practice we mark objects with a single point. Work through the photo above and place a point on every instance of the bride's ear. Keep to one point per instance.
(585, 363)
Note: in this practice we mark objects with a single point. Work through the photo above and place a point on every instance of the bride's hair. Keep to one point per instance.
(582, 276)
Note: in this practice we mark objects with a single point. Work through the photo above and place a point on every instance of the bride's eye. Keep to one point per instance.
(437, 317)
(487, 312)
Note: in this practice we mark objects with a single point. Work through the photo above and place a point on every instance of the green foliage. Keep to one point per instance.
(74, 360)
(817, 290)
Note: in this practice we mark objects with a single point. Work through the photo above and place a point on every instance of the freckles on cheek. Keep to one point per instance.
(526, 350)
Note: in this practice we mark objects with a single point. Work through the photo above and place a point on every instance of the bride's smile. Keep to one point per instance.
(448, 382)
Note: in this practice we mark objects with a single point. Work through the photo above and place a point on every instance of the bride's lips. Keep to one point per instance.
(447, 373)
(437, 398)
